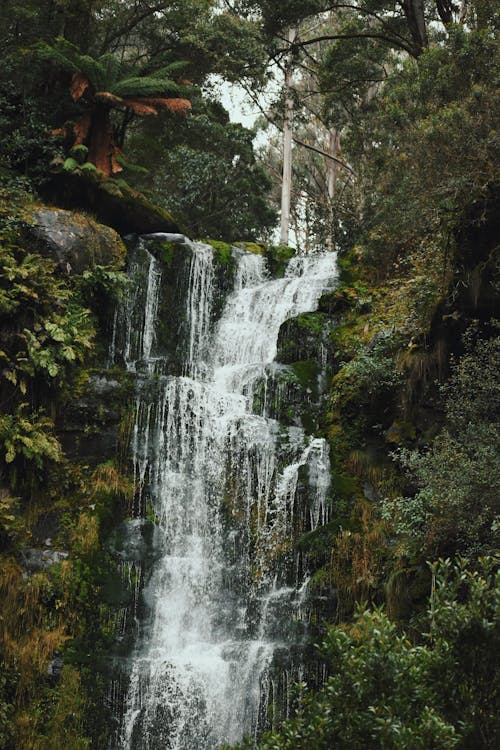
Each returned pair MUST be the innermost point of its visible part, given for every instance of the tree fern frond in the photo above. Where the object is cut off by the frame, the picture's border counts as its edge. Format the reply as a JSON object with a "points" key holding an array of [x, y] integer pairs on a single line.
{"points": [[157, 68], [136, 86], [168, 70], [93, 70], [177, 105], [113, 70], [52, 54]]}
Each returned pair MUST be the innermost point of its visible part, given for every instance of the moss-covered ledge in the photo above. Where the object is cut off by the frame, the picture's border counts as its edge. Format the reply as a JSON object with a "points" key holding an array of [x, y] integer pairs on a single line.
{"points": [[112, 202]]}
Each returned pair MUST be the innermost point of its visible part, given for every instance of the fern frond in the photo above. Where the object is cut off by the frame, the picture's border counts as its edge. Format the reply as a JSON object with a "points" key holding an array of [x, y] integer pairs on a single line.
{"points": [[177, 105], [93, 70], [52, 54], [168, 70], [112, 69], [136, 86]]}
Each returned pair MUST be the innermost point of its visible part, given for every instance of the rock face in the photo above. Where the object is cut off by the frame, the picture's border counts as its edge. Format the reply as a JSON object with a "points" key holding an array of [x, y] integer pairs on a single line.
{"points": [[75, 241], [90, 426]]}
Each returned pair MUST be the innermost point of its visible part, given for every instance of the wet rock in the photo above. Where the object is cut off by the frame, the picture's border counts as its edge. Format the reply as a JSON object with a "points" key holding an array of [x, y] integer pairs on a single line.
{"points": [[55, 668], [47, 526], [306, 337], [135, 540], [40, 560], [90, 427], [75, 241]]}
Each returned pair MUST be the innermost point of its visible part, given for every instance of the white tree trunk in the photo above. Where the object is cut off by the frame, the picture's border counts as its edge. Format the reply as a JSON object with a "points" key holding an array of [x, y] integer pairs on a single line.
{"points": [[286, 187], [332, 172]]}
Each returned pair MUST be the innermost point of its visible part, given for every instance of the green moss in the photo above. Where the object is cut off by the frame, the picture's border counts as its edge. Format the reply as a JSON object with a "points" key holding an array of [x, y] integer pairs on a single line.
{"points": [[345, 487], [222, 252], [278, 257], [165, 251], [252, 247], [313, 322], [307, 373]]}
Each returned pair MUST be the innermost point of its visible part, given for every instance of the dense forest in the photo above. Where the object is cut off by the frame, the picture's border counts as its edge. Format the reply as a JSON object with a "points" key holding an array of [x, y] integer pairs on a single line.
{"points": [[111, 125]]}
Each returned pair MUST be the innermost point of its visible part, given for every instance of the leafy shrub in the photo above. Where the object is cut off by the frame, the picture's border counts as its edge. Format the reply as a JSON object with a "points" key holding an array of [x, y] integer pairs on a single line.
{"points": [[456, 505], [385, 692]]}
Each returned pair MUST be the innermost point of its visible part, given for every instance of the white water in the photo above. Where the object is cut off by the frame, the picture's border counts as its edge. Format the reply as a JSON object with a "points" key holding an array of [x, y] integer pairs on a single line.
{"points": [[223, 483]]}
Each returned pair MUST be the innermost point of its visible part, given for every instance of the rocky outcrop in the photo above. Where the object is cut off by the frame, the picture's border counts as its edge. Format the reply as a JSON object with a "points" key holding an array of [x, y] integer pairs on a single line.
{"points": [[75, 241], [40, 560], [113, 202]]}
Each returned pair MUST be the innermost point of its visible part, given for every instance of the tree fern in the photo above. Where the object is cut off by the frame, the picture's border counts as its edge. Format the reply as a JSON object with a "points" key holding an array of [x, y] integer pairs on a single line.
{"points": [[105, 83]]}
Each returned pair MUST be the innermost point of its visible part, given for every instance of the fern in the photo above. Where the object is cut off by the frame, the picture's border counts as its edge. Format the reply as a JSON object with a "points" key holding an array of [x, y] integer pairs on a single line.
{"points": [[137, 86]]}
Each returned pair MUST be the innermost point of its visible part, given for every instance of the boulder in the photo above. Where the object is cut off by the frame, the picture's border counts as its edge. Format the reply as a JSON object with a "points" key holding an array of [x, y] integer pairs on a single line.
{"points": [[40, 560], [75, 241]]}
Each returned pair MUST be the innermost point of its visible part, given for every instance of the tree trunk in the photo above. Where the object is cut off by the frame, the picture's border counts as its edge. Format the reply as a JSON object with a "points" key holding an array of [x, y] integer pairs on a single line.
{"points": [[100, 141], [332, 176], [415, 18], [286, 186]]}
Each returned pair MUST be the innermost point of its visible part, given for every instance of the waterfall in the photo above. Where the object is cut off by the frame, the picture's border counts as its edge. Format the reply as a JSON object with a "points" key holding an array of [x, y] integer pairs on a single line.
{"points": [[224, 486]]}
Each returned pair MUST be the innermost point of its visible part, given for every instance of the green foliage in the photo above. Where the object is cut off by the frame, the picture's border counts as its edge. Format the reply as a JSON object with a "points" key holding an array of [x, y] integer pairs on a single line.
{"points": [[6, 711], [9, 521], [456, 506], [369, 375], [385, 692], [28, 436], [206, 174], [99, 289], [433, 144], [108, 72]]}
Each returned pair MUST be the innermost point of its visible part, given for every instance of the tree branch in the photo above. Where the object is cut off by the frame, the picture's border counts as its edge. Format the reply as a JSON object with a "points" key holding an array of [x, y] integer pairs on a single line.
{"points": [[361, 35]]}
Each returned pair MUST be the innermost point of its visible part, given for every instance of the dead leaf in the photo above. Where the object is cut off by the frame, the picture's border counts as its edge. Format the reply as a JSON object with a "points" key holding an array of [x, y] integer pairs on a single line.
{"points": [[79, 85]]}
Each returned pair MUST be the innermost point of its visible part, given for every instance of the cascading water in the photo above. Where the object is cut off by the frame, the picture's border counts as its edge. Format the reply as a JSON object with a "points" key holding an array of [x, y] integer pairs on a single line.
{"points": [[223, 484]]}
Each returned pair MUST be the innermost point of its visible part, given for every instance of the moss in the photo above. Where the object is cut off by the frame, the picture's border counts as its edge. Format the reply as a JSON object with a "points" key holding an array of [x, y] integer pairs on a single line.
{"points": [[114, 203], [166, 251], [314, 322], [307, 373], [278, 257], [73, 237], [401, 432], [252, 247], [223, 252]]}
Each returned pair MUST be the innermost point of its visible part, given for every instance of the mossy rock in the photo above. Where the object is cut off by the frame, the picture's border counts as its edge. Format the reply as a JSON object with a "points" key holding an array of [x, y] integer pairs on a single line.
{"points": [[256, 248], [306, 337], [291, 394], [113, 202], [130, 212], [223, 252], [89, 429], [75, 241], [168, 252], [278, 257]]}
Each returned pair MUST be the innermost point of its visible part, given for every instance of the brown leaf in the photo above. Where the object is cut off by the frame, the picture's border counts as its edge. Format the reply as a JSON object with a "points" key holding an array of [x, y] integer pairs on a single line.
{"points": [[141, 107], [107, 96], [79, 85], [180, 106]]}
